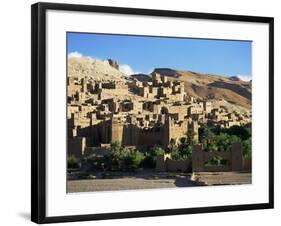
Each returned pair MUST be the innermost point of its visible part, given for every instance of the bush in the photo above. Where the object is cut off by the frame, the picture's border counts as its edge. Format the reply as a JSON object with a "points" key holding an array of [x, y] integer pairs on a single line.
{"points": [[126, 159], [99, 162], [151, 156], [72, 162], [115, 160], [217, 161], [132, 159], [175, 154], [186, 152], [155, 151], [211, 147], [116, 146], [121, 159]]}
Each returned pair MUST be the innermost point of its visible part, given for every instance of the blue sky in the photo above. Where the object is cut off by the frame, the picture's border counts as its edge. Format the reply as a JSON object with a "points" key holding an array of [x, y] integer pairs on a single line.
{"points": [[141, 54]]}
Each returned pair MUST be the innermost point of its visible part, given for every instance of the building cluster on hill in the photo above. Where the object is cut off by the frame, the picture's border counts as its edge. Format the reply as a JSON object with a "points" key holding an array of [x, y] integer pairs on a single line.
{"points": [[137, 114]]}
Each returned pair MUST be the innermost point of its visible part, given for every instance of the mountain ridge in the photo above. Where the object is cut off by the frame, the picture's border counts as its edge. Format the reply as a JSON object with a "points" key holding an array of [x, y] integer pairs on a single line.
{"points": [[209, 86]]}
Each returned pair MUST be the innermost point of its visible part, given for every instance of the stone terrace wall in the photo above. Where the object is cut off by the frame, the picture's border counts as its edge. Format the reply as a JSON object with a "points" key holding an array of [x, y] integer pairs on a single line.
{"points": [[233, 156], [165, 163]]}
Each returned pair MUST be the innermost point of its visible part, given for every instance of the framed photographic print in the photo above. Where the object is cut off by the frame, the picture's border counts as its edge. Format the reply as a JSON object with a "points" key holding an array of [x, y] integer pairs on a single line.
{"points": [[141, 112]]}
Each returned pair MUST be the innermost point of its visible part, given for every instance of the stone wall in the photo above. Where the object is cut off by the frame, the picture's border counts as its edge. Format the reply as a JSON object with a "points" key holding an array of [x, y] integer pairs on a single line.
{"points": [[165, 163], [233, 156], [178, 165], [247, 165], [176, 130]]}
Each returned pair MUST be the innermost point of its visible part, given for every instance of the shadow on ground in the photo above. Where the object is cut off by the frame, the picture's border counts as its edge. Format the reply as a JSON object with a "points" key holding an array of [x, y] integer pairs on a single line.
{"points": [[184, 182]]}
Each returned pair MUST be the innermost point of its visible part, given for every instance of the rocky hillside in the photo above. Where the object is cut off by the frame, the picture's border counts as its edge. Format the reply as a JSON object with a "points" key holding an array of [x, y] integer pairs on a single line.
{"points": [[99, 70], [208, 86]]}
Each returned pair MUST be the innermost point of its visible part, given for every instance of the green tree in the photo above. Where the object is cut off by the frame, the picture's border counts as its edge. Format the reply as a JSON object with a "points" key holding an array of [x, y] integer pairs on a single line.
{"points": [[247, 148], [190, 137], [234, 139], [242, 132], [186, 152], [151, 155], [208, 139], [186, 145], [175, 154]]}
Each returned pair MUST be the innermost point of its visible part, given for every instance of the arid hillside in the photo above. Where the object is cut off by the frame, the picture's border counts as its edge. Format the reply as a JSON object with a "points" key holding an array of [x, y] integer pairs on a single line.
{"points": [[208, 86], [96, 69]]}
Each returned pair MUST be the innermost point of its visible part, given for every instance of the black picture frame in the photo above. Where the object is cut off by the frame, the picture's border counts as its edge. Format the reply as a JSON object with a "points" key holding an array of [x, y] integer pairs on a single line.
{"points": [[38, 110]]}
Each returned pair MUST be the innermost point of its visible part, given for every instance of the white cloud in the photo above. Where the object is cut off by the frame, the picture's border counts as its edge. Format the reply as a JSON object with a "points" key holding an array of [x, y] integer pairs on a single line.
{"points": [[126, 69], [245, 77], [74, 54]]}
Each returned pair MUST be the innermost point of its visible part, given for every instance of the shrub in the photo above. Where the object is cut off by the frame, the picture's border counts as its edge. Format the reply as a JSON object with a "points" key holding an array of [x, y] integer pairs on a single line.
{"points": [[211, 147], [156, 150], [126, 159], [135, 158], [130, 159], [186, 152], [116, 146], [175, 154], [151, 156], [72, 162], [115, 160], [99, 162], [217, 161]]}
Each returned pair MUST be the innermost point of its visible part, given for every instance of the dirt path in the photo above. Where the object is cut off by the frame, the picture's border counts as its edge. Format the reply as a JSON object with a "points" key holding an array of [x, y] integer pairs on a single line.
{"points": [[126, 183], [146, 181]]}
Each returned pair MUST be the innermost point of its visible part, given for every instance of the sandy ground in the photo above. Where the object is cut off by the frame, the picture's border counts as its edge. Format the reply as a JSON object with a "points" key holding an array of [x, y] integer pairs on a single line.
{"points": [[126, 183]]}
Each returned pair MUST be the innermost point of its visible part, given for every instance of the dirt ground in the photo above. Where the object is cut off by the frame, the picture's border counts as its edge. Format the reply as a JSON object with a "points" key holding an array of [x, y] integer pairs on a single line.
{"points": [[127, 183], [149, 182], [223, 178]]}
